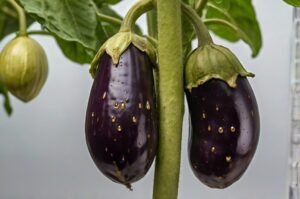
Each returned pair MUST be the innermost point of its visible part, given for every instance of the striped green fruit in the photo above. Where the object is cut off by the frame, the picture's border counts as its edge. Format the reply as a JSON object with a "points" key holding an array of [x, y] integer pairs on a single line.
{"points": [[23, 67]]}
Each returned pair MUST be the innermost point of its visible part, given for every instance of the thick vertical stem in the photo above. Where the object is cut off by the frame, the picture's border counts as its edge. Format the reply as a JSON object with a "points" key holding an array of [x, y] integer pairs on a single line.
{"points": [[170, 99]]}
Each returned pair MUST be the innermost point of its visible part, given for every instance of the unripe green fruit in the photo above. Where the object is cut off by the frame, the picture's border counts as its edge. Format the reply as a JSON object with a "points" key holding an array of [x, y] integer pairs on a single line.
{"points": [[23, 67]]}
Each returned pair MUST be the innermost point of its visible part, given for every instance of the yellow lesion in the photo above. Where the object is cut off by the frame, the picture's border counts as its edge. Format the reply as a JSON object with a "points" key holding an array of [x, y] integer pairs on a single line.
{"points": [[203, 115], [209, 128], [119, 128], [140, 106], [134, 120], [221, 130], [116, 105], [232, 129], [213, 149], [228, 158], [113, 119], [93, 114], [148, 105], [123, 105], [217, 108]]}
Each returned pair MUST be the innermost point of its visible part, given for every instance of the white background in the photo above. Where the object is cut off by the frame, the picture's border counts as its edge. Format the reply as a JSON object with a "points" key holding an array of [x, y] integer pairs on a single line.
{"points": [[43, 154]]}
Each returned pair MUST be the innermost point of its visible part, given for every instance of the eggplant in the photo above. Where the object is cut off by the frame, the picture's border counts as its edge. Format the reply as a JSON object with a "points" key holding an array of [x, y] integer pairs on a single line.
{"points": [[224, 131], [121, 119]]}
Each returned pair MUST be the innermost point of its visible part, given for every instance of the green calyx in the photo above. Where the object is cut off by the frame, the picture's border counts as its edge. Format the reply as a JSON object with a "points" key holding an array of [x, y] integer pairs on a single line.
{"points": [[117, 44], [213, 61]]}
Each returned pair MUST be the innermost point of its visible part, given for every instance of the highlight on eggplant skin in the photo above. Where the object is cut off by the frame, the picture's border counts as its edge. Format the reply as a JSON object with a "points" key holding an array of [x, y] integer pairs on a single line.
{"points": [[224, 131], [121, 120]]}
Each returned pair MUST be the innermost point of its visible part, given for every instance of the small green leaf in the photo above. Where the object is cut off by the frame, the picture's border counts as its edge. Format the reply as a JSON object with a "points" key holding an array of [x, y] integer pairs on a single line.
{"points": [[239, 13], [293, 2], [6, 102]]}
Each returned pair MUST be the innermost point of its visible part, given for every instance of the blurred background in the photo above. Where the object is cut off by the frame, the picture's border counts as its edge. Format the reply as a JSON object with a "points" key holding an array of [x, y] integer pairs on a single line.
{"points": [[43, 154]]}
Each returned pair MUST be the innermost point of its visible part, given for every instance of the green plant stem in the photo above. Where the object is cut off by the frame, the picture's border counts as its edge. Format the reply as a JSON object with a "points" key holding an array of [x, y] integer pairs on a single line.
{"points": [[105, 18], [134, 13], [221, 21], [200, 5], [171, 94], [152, 23], [39, 32], [22, 17], [201, 30]]}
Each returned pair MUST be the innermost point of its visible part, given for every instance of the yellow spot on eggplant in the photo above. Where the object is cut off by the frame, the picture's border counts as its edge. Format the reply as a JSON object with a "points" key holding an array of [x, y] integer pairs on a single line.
{"points": [[134, 119], [203, 115], [123, 105], [115, 139], [98, 119], [106, 149], [116, 105], [148, 105], [123, 158], [209, 128], [148, 136], [232, 129], [104, 95], [220, 130], [213, 149], [228, 158], [93, 114], [113, 118], [140, 106], [111, 155], [119, 128], [217, 108], [195, 166]]}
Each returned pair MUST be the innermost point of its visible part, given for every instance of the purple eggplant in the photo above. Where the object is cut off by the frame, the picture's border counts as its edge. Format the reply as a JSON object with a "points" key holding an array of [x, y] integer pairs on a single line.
{"points": [[121, 120], [224, 131]]}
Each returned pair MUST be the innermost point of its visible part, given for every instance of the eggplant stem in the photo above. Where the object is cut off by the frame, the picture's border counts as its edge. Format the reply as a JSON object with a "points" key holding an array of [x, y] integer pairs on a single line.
{"points": [[22, 17]]}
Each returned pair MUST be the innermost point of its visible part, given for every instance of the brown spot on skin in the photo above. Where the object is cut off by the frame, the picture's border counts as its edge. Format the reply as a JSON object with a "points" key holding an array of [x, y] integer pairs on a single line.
{"points": [[220, 130]]}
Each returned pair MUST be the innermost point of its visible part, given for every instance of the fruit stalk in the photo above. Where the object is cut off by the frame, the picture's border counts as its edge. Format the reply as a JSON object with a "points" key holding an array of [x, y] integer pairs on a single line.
{"points": [[22, 17], [135, 12], [170, 99], [201, 30]]}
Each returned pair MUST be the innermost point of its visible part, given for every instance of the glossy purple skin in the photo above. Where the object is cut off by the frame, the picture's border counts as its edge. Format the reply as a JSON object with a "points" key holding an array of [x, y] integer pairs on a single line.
{"points": [[224, 131], [121, 121]]}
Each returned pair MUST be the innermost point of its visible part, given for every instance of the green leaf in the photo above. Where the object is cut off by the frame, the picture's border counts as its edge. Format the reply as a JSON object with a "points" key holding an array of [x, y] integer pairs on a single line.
{"points": [[293, 2], [99, 3], [69, 20], [239, 13], [6, 102], [9, 22]]}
